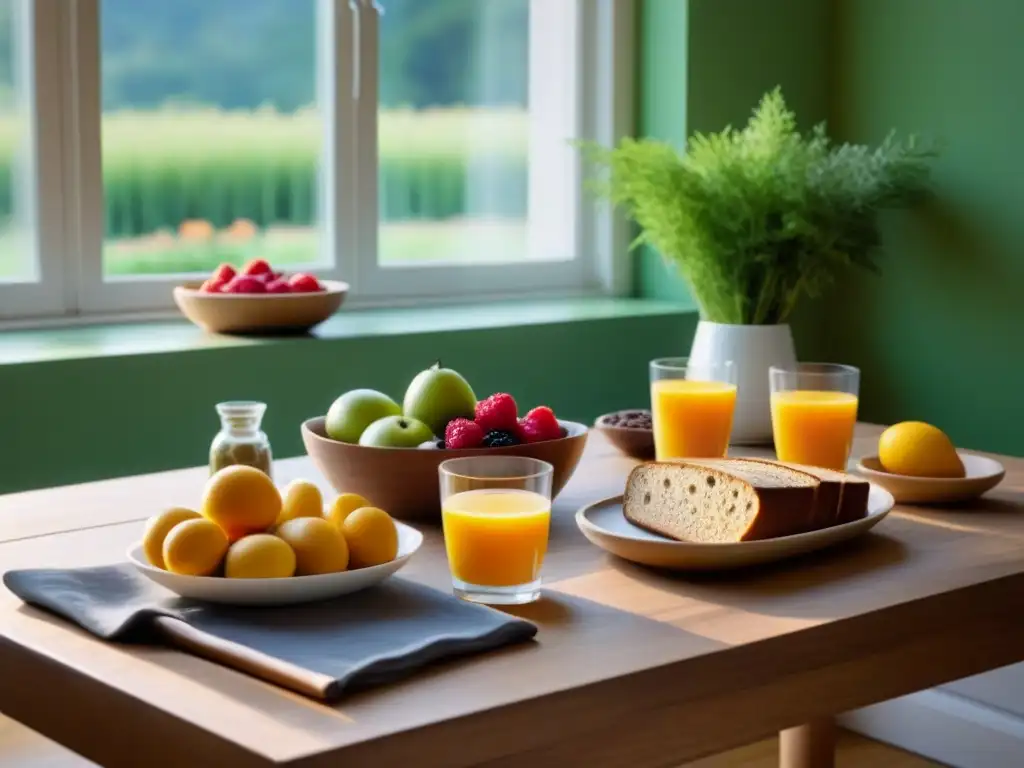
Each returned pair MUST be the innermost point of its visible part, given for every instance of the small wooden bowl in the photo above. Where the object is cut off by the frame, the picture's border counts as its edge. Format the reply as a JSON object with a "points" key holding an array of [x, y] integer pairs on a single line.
{"points": [[404, 481], [983, 474], [259, 313], [632, 441]]}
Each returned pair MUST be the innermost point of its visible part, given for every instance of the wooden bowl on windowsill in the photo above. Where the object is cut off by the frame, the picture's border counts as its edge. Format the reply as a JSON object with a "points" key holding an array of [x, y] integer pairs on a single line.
{"points": [[258, 313]]}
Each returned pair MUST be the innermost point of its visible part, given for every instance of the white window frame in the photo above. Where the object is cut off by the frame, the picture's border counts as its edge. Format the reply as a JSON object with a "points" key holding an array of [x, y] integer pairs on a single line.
{"points": [[38, 71], [65, 192]]}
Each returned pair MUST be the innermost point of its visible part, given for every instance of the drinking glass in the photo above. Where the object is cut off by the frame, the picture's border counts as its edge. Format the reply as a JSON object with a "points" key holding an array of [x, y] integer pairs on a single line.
{"points": [[496, 514], [814, 411], [692, 407]]}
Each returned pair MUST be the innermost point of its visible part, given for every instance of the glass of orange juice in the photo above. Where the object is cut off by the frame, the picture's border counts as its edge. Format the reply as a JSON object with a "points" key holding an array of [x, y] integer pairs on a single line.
{"points": [[691, 408], [814, 411], [496, 513]]}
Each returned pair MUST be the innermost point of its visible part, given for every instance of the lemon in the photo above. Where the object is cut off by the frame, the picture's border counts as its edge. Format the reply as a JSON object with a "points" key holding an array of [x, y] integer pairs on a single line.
{"points": [[195, 548], [343, 506], [157, 528], [241, 500], [259, 556], [371, 536], [918, 449], [319, 546], [301, 499]]}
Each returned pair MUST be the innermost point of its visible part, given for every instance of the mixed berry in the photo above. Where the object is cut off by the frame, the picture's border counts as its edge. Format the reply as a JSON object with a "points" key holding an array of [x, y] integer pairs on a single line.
{"points": [[496, 424], [257, 276]]}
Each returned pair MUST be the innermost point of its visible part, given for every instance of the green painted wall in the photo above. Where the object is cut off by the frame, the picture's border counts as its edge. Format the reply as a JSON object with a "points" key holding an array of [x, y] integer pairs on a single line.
{"points": [[706, 63], [73, 420], [939, 335], [663, 89]]}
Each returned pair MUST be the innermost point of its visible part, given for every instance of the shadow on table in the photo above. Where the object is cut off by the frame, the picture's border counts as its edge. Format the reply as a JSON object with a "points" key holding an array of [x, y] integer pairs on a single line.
{"points": [[551, 610], [803, 586], [992, 505]]}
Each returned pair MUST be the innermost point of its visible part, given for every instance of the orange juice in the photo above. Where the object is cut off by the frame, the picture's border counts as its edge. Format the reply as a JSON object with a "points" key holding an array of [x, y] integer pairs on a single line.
{"points": [[692, 419], [814, 428], [496, 537]]}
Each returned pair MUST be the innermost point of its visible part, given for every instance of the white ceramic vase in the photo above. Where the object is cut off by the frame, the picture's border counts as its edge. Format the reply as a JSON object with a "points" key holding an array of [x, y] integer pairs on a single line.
{"points": [[753, 349]]}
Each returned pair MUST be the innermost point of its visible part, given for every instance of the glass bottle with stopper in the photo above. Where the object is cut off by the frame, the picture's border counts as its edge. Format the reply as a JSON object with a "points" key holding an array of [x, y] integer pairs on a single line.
{"points": [[240, 440]]}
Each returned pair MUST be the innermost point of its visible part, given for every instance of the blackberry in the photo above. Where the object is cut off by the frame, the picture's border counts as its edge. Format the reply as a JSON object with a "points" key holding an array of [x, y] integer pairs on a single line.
{"points": [[499, 439]]}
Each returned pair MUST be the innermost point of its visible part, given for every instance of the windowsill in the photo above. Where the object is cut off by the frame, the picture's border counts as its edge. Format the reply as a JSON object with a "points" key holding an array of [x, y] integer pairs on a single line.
{"points": [[160, 337], [138, 396]]}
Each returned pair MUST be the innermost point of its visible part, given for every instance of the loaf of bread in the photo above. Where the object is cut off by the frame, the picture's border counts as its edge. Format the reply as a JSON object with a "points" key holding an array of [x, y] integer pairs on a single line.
{"points": [[842, 497], [731, 500]]}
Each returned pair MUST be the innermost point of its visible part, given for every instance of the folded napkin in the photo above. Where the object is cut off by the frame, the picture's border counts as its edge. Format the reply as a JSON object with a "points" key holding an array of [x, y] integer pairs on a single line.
{"points": [[322, 649]]}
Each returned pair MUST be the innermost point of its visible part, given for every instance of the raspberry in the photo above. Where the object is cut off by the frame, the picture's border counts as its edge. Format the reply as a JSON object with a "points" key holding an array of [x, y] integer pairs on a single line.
{"points": [[463, 433], [498, 413], [540, 424]]}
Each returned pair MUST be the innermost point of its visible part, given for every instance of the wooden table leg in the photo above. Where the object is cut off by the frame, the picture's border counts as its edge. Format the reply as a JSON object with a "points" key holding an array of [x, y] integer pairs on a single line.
{"points": [[812, 745]]}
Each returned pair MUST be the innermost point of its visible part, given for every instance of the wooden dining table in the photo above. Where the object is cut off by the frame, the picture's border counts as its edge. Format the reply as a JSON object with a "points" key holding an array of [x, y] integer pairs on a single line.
{"points": [[631, 667]]}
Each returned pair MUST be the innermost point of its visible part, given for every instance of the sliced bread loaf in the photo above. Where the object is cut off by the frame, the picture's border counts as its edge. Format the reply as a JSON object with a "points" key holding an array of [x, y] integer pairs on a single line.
{"points": [[842, 497], [853, 494], [720, 500]]}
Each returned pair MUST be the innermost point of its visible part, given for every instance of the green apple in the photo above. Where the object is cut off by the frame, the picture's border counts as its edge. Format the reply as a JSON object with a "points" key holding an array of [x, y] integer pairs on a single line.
{"points": [[395, 432], [354, 411], [438, 395]]}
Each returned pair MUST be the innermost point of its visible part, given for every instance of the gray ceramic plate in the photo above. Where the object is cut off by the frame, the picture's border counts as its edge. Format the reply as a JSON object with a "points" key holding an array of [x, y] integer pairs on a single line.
{"points": [[604, 524]]}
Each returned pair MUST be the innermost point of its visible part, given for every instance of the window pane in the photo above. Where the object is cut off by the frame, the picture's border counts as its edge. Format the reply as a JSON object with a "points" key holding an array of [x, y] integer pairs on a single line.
{"points": [[459, 122], [211, 133], [17, 245]]}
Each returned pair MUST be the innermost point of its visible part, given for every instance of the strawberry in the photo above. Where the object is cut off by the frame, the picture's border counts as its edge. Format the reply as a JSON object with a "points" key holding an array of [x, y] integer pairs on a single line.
{"points": [[278, 286], [223, 273], [540, 424], [245, 284], [213, 285], [302, 282], [256, 267]]}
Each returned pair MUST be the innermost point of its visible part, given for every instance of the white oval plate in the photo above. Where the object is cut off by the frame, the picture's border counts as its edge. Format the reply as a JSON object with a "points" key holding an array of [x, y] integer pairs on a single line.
{"points": [[983, 474], [297, 589], [604, 525]]}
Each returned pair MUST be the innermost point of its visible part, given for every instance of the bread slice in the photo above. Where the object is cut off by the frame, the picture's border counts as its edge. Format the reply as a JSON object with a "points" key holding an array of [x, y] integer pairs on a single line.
{"points": [[842, 497], [784, 474], [720, 500], [853, 494]]}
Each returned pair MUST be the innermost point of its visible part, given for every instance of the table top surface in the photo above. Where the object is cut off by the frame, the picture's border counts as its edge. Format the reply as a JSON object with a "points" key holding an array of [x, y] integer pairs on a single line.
{"points": [[619, 647]]}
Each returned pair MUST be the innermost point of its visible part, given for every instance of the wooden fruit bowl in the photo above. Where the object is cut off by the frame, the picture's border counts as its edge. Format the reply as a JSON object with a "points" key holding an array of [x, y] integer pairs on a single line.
{"points": [[404, 481], [257, 312]]}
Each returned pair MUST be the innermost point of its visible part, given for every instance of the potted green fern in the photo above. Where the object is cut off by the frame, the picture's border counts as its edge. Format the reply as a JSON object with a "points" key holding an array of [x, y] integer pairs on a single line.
{"points": [[754, 220]]}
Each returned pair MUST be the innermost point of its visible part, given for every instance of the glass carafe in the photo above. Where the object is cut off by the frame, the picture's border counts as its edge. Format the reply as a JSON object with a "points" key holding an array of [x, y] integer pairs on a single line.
{"points": [[240, 440]]}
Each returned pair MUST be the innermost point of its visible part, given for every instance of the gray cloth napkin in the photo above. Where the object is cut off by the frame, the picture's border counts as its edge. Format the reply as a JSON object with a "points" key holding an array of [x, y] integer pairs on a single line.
{"points": [[357, 641]]}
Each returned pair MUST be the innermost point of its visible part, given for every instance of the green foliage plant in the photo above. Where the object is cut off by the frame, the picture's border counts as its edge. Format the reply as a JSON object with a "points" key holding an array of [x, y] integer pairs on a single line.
{"points": [[755, 219]]}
